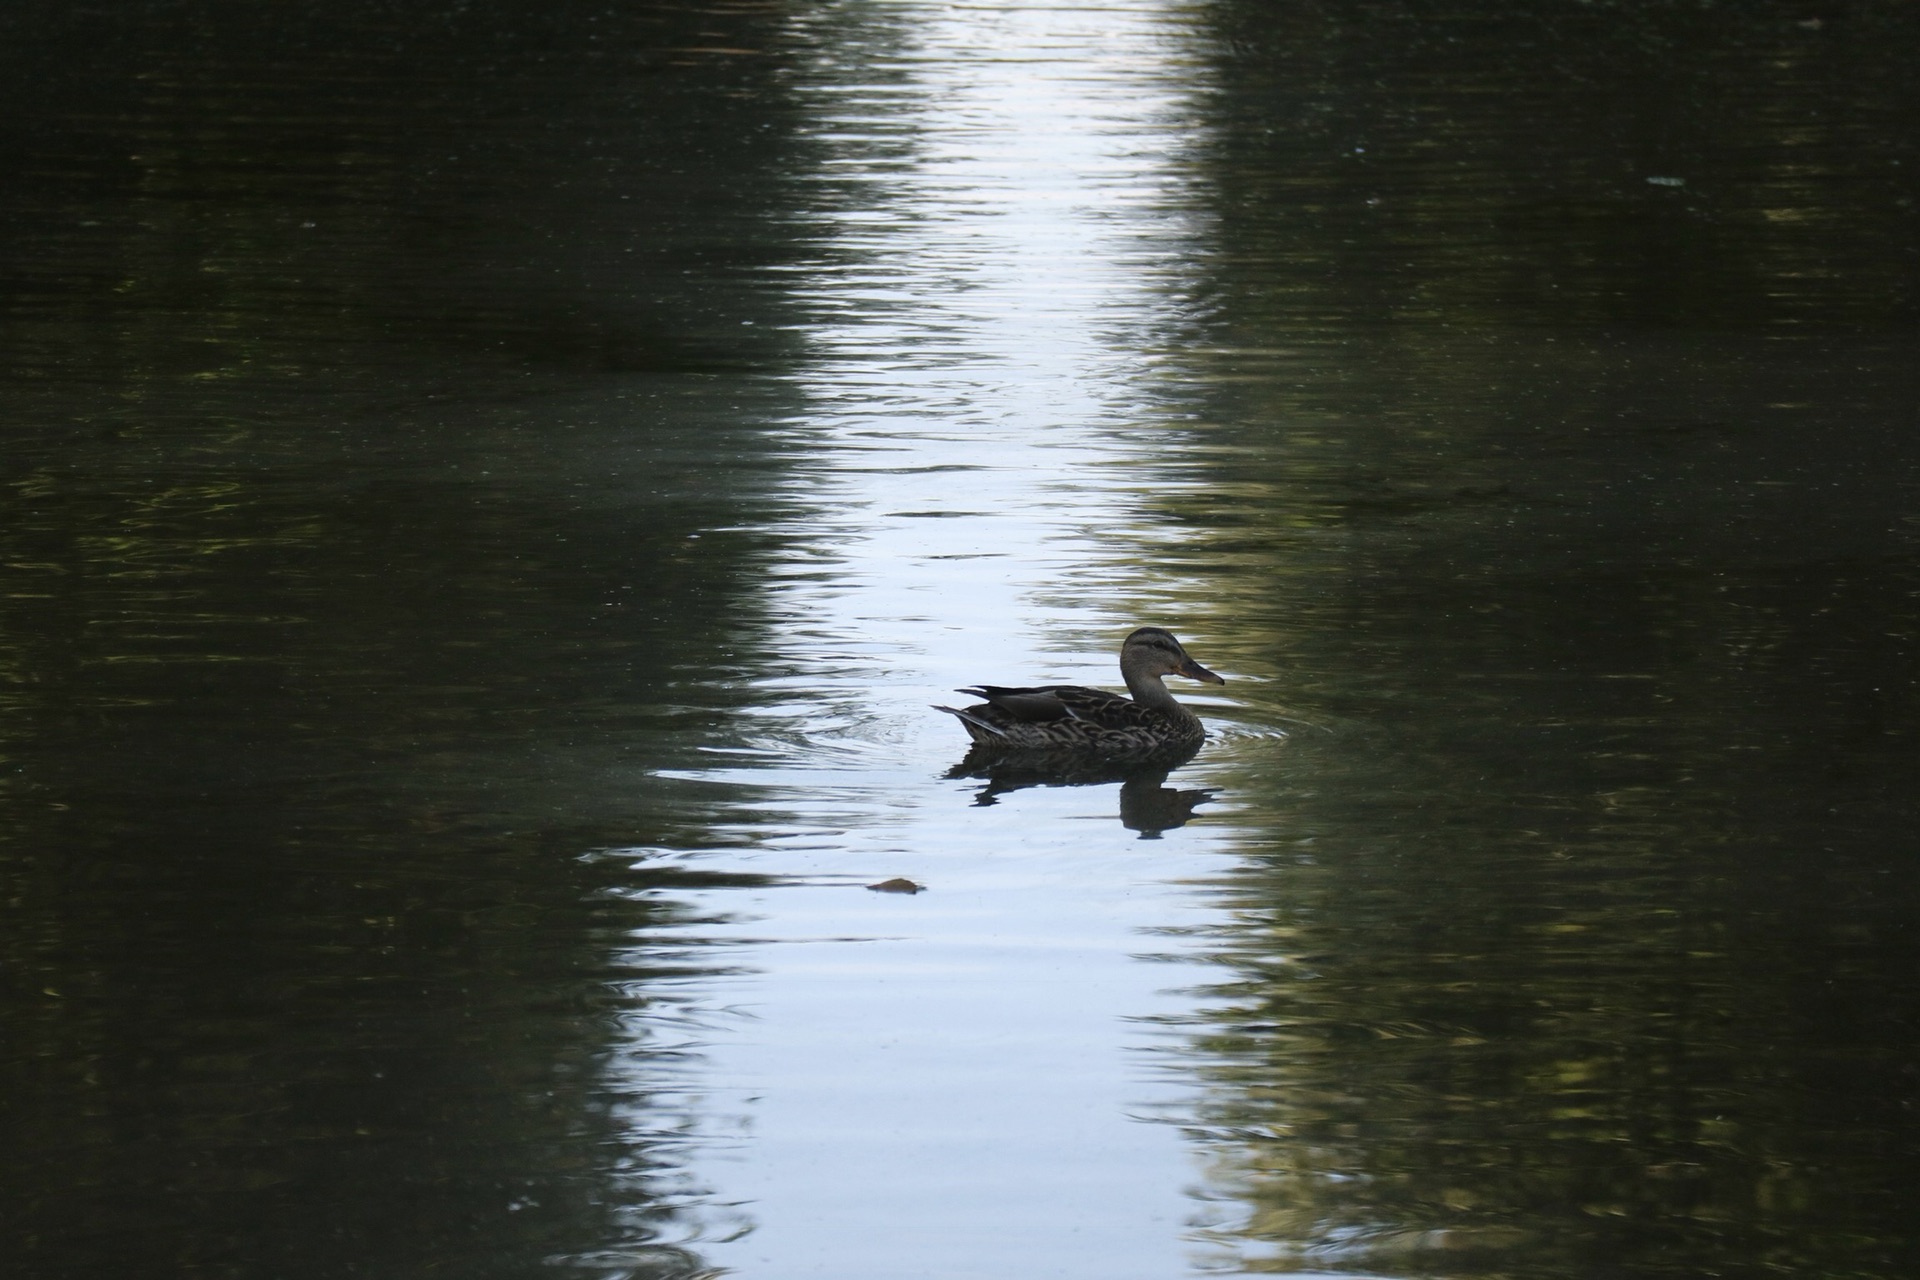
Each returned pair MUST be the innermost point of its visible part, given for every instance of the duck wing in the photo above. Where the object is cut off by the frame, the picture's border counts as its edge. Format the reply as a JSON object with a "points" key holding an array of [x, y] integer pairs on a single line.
{"points": [[1042, 704]]}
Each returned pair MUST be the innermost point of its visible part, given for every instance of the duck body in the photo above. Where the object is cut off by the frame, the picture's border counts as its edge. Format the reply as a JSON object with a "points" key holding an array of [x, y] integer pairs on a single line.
{"points": [[1071, 716], [1076, 720]]}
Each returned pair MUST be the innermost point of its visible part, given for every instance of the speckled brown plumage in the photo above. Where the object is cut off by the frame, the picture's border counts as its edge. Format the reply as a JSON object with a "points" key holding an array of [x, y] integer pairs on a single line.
{"points": [[1071, 717]]}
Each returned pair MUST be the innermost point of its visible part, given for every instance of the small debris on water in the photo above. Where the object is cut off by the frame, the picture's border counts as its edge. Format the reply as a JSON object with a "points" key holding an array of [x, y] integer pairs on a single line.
{"points": [[899, 884]]}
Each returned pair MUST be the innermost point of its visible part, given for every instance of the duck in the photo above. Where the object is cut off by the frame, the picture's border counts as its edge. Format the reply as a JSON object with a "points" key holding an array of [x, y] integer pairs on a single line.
{"points": [[1071, 718]]}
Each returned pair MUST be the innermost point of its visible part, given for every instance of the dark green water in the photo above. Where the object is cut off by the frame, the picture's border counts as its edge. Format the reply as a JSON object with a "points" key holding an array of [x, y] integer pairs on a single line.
{"points": [[491, 490]]}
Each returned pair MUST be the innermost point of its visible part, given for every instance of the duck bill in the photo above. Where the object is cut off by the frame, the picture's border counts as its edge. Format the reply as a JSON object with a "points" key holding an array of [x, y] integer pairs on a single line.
{"points": [[1194, 671]]}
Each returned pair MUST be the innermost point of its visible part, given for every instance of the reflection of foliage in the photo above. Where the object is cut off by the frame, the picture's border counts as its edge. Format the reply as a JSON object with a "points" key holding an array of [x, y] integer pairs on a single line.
{"points": [[1582, 942], [291, 912], [1607, 1032], [1579, 946], [390, 190], [365, 541], [1555, 163]]}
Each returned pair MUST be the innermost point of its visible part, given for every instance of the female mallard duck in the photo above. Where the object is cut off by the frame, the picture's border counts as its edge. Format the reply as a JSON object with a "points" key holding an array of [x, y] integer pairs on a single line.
{"points": [[1071, 717]]}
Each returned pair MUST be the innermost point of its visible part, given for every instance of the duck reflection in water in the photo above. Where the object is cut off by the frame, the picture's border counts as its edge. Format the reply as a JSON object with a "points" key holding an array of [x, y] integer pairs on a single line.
{"points": [[1147, 804], [1072, 735]]}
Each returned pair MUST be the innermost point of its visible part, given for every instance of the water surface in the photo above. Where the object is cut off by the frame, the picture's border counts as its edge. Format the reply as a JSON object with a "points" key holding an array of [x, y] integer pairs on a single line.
{"points": [[491, 494]]}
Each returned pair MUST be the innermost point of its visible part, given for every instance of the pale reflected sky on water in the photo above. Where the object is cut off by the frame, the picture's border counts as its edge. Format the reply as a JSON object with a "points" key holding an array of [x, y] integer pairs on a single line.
{"points": [[952, 1083]]}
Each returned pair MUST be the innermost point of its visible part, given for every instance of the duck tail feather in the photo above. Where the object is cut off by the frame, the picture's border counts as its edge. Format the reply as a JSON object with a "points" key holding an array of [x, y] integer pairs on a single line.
{"points": [[973, 722]]}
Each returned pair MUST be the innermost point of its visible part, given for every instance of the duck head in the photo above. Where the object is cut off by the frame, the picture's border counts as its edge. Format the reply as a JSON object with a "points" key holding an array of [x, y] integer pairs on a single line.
{"points": [[1152, 651]]}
